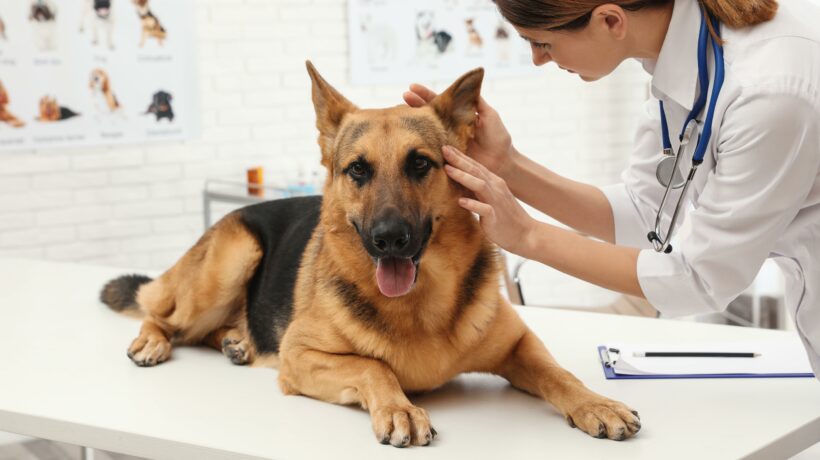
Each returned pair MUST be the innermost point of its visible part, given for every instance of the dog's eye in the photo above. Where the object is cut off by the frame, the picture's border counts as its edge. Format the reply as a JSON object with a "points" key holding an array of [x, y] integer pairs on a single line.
{"points": [[357, 169], [416, 166], [421, 164]]}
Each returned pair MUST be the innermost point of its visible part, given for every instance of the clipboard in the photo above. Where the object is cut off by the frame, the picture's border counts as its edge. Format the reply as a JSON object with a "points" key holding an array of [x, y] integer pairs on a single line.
{"points": [[608, 359]]}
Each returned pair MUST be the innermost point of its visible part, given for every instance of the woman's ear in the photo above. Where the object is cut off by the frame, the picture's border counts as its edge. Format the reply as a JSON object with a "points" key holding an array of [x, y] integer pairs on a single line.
{"points": [[611, 18]]}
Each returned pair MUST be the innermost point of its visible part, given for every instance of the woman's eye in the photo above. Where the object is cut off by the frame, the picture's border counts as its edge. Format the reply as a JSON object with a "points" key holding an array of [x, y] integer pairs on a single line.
{"points": [[541, 45]]}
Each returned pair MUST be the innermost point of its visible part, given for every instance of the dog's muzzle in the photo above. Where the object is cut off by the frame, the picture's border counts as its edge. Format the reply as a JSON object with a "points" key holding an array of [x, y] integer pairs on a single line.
{"points": [[396, 247]]}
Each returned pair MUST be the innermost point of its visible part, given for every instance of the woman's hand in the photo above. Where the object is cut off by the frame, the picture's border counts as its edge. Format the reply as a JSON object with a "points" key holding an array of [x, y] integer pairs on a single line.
{"points": [[492, 144], [503, 219]]}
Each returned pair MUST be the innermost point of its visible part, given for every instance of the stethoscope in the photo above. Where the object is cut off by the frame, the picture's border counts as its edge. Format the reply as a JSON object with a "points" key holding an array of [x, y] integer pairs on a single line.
{"points": [[667, 173]]}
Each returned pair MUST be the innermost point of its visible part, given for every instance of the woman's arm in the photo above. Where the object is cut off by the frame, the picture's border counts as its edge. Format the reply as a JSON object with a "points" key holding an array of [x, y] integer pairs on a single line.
{"points": [[581, 206], [507, 224], [604, 264]]}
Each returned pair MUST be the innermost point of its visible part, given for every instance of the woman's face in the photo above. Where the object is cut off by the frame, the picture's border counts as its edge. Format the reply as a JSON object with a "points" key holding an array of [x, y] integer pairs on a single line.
{"points": [[591, 52]]}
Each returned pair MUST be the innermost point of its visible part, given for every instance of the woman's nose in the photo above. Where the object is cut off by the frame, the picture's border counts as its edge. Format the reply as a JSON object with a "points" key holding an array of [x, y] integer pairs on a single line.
{"points": [[540, 57]]}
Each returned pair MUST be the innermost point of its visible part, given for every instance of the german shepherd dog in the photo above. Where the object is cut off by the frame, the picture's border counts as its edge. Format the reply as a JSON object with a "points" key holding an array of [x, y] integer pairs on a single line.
{"points": [[382, 287]]}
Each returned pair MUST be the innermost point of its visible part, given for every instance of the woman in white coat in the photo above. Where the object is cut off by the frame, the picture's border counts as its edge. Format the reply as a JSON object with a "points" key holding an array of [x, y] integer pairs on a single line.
{"points": [[755, 193]]}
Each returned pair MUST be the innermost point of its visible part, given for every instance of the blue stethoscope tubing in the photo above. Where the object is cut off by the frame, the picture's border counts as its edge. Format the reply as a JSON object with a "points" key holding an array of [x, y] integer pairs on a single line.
{"points": [[659, 242]]}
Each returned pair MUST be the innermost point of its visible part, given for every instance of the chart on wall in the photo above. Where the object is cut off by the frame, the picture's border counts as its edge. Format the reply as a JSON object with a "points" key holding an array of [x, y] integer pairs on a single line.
{"points": [[397, 41], [85, 72]]}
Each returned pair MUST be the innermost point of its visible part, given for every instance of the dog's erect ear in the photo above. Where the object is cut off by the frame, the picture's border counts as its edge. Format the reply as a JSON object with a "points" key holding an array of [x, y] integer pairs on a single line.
{"points": [[331, 107], [456, 106]]}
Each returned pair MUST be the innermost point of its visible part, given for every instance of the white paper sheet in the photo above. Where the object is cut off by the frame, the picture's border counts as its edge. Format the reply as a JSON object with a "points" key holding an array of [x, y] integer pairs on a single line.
{"points": [[776, 357]]}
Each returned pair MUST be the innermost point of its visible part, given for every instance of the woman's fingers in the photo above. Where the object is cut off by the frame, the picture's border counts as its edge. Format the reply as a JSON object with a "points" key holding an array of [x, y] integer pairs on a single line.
{"points": [[463, 162], [418, 95], [471, 182], [482, 209], [413, 99], [424, 92]]}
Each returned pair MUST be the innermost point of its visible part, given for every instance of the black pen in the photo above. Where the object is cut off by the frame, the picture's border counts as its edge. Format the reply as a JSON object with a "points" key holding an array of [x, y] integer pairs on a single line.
{"points": [[692, 354]]}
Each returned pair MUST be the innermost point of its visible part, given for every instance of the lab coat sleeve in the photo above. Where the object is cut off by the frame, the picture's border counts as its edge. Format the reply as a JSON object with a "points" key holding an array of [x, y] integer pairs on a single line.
{"points": [[636, 200], [767, 161]]}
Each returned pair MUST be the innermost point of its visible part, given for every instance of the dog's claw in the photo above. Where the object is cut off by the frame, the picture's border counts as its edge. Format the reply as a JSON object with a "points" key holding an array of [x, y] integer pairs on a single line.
{"points": [[390, 424], [601, 431]]}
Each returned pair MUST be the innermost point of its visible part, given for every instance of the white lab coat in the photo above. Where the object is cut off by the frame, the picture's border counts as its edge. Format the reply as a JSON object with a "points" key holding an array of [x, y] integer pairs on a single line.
{"points": [[757, 193]]}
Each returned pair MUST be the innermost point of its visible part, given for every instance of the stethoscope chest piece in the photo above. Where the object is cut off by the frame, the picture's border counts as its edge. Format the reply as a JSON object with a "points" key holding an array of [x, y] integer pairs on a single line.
{"points": [[667, 169]]}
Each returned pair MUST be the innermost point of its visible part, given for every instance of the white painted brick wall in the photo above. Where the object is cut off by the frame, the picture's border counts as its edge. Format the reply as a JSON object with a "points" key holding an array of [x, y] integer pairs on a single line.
{"points": [[140, 206]]}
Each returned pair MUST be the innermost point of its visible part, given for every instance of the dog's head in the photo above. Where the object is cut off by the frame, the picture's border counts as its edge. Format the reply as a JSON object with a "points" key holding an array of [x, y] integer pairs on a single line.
{"points": [[99, 80], [162, 100], [386, 192], [41, 11], [425, 20], [160, 103], [49, 109]]}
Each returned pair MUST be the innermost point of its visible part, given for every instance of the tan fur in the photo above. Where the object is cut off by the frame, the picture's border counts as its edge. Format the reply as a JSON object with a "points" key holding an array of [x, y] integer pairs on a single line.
{"points": [[151, 26], [424, 338], [204, 291], [5, 115], [347, 343], [472, 33], [49, 110], [105, 87]]}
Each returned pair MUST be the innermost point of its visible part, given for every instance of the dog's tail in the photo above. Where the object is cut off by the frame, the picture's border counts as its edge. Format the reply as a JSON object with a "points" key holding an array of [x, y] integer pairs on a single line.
{"points": [[120, 294]]}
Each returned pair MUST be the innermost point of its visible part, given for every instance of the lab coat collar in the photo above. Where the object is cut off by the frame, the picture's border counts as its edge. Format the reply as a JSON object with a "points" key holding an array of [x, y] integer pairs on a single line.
{"points": [[675, 72]]}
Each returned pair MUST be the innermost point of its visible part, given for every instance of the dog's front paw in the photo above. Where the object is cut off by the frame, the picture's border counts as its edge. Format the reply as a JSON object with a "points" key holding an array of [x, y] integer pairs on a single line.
{"points": [[604, 418], [149, 351], [402, 425]]}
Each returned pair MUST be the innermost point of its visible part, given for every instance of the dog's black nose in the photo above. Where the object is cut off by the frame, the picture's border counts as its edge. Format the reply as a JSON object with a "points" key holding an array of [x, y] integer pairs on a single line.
{"points": [[391, 236]]}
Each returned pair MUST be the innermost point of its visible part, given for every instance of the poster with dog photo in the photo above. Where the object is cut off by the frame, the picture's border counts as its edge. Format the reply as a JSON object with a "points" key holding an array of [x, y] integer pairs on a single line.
{"points": [[86, 72], [395, 41]]}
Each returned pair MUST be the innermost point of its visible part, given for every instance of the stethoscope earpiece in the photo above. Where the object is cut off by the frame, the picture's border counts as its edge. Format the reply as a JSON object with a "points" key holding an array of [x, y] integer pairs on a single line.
{"points": [[658, 244]]}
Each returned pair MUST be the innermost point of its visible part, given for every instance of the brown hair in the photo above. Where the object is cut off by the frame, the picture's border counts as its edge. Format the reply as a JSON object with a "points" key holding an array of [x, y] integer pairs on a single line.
{"points": [[575, 14]]}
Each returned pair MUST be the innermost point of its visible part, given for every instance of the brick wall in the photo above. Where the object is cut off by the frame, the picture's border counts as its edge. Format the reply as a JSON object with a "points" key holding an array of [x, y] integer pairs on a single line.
{"points": [[140, 206]]}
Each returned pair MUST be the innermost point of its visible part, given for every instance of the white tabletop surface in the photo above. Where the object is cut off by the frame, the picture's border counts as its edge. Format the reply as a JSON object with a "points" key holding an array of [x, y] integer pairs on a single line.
{"points": [[64, 376]]}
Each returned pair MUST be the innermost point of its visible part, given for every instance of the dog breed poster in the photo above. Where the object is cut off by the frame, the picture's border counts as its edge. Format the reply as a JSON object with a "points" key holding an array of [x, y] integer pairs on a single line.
{"points": [[85, 72], [398, 42]]}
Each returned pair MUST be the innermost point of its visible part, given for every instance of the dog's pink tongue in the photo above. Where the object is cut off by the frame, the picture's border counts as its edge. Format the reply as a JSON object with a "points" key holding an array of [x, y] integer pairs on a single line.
{"points": [[395, 276]]}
